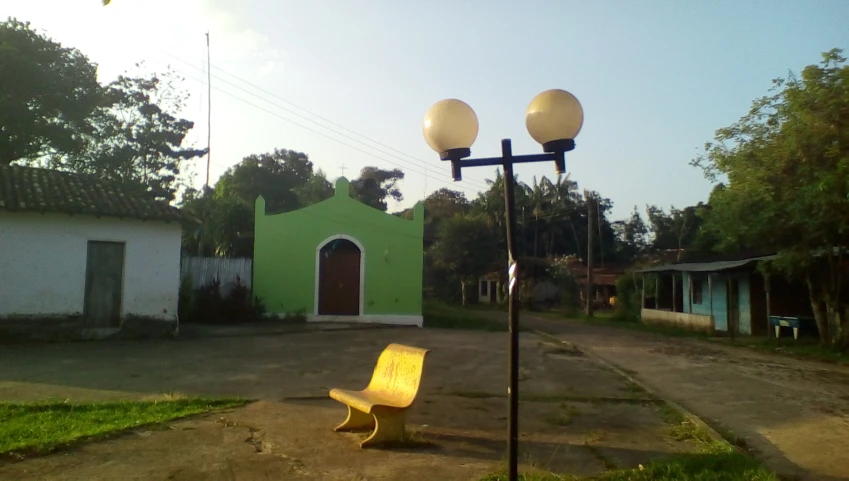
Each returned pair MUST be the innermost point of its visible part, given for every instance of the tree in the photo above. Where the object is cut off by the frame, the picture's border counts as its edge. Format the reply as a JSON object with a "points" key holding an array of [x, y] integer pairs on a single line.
{"points": [[374, 186], [439, 206], [632, 234], [277, 176], [677, 230], [465, 249], [286, 180], [787, 165], [136, 137], [316, 189], [47, 94]]}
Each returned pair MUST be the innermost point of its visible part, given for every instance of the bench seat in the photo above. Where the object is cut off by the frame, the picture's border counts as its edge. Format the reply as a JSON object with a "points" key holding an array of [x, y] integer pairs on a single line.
{"points": [[382, 406]]}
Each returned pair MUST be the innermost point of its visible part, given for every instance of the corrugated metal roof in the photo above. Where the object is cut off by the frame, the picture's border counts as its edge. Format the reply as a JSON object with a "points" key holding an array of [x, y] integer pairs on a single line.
{"points": [[705, 266]]}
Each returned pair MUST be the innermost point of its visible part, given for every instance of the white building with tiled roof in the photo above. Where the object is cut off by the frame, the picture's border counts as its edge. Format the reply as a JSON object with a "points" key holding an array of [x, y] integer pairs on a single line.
{"points": [[84, 257]]}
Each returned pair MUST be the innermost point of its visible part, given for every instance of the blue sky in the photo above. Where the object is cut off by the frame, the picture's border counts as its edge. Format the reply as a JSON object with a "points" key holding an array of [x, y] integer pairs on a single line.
{"points": [[656, 78]]}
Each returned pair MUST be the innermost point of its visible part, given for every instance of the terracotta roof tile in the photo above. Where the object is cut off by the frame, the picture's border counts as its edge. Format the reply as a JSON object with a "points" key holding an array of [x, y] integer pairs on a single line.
{"points": [[29, 189]]}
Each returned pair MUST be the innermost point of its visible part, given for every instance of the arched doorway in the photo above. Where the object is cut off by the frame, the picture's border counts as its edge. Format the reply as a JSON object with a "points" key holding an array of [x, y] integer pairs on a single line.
{"points": [[339, 277]]}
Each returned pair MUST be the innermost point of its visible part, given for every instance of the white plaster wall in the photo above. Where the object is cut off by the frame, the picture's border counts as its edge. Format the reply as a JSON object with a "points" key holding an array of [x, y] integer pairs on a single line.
{"points": [[43, 263]]}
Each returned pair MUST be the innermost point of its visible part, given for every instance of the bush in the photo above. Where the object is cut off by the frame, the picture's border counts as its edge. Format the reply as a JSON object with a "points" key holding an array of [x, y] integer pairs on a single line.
{"points": [[297, 317], [207, 305], [629, 295], [185, 299], [628, 298]]}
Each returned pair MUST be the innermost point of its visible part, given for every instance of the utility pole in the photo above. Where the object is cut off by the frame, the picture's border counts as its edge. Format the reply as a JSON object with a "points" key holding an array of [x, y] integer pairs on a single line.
{"points": [[208, 110], [600, 239], [590, 249]]}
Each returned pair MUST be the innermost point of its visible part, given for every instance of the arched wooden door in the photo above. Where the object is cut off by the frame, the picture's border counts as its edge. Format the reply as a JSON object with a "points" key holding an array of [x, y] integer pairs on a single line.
{"points": [[339, 279]]}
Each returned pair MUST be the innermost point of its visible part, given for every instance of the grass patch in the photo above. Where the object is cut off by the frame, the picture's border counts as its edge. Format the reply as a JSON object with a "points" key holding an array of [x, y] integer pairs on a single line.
{"points": [[439, 315], [564, 415], [799, 349], [718, 460], [607, 319], [806, 349], [37, 428], [711, 465]]}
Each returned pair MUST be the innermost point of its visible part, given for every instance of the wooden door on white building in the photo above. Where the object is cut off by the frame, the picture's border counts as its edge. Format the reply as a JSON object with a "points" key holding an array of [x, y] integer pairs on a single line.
{"points": [[104, 284]]}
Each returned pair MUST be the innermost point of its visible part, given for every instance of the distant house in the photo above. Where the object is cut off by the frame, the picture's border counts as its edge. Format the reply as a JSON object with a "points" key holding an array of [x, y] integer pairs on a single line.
{"points": [[85, 257], [489, 288], [727, 297], [340, 260], [604, 283]]}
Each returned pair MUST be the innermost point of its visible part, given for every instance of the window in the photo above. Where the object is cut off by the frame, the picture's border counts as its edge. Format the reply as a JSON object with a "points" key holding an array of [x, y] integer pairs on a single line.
{"points": [[484, 285], [697, 291]]}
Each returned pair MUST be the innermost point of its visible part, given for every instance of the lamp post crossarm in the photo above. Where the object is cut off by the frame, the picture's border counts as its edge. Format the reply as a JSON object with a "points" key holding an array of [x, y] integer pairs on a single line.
{"points": [[516, 159]]}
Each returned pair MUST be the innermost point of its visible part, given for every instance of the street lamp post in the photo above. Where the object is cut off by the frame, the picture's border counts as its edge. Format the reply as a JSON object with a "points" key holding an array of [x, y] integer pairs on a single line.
{"points": [[553, 119]]}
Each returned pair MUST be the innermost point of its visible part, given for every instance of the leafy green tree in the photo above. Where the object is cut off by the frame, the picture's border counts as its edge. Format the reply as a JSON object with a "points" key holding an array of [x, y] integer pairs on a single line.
{"points": [[47, 95], [677, 230], [277, 176], [439, 206], [465, 249], [632, 234], [787, 169], [285, 178], [316, 189], [375, 186], [137, 137]]}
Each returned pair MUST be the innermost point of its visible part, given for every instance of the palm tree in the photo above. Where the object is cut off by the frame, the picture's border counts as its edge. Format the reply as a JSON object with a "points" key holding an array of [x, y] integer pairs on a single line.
{"points": [[538, 202], [564, 205]]}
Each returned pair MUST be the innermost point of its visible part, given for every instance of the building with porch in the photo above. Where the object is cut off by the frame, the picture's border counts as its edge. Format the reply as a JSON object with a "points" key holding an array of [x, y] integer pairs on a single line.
{"points": [[728, 297]]}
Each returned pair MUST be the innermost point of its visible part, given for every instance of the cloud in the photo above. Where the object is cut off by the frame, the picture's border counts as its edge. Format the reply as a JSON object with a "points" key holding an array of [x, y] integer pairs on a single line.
{"points": [[236, 39]]}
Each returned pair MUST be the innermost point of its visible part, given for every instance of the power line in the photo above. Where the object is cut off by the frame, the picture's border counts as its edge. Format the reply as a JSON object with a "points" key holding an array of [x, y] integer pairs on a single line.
{"points": [[471, 181], [310, 129]]}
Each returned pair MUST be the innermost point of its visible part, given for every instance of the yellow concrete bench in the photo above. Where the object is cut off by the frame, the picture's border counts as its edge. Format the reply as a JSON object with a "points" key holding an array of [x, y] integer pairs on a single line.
{"points": [[382, 406]]}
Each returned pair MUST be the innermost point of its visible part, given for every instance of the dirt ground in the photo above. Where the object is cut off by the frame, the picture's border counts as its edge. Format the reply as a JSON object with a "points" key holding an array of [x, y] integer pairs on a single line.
{"points": [[794, 413], [576, 416]]}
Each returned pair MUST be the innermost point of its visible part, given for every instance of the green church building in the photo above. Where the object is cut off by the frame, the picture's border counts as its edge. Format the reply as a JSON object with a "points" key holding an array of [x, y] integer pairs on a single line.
{"points": [[340, 260]]}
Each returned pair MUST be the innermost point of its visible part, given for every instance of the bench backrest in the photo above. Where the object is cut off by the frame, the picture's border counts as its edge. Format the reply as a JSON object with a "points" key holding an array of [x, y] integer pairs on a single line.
{"points": [[398, 373]]}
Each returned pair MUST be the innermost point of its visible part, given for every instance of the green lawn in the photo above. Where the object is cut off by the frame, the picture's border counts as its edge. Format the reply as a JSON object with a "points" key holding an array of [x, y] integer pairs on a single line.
{"points": [[34, 428], [440, 315]]}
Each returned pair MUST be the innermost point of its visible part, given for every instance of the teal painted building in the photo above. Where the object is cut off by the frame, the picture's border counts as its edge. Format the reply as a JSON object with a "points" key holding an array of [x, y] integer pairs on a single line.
{"points": [[715, 293], [725, 297], [340, 260]]}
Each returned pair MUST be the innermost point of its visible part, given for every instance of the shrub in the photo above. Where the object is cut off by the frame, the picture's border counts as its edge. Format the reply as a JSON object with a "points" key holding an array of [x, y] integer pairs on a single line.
{"points": [[629, 296], [185, 299], [207, 305], [296, 317]]}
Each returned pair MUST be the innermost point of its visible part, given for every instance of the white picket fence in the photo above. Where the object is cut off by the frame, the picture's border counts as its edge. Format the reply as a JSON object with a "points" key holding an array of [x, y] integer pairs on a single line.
{"points": [[204, 270]]}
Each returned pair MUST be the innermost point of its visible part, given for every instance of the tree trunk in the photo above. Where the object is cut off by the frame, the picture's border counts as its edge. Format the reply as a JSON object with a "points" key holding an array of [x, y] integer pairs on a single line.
{"points": [[463, 292], [577, 241], [841, 337], [536, 234], [819, 309], [835, 325]]}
